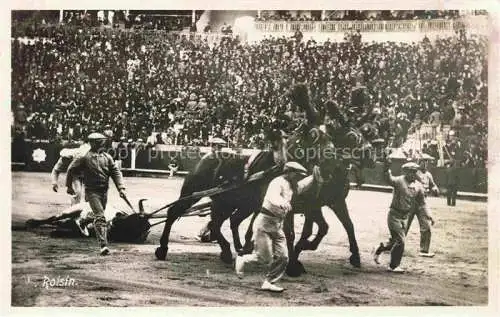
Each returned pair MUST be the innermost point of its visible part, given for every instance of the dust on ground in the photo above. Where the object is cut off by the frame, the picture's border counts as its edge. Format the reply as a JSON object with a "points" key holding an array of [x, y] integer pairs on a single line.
{"points": [[194, 275]]}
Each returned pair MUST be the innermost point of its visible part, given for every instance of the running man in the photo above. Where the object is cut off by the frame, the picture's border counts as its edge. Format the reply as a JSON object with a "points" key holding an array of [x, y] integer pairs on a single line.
{"points": [[408, 197], [97, 167], [270, 242]]}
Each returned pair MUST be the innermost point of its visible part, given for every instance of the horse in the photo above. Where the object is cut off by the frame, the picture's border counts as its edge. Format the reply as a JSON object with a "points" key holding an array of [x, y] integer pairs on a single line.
{"points": [[213, 171], [239, 204], [332, 192]]}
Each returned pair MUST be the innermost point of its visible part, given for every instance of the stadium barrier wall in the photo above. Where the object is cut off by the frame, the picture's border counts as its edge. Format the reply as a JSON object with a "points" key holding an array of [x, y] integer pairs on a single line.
{"points": [[378, 31], [41, 156], [476, 24]]}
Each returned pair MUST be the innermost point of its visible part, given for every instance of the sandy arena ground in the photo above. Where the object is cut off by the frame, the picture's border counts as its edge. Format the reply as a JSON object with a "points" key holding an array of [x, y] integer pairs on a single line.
{"points": [[194, 275]]}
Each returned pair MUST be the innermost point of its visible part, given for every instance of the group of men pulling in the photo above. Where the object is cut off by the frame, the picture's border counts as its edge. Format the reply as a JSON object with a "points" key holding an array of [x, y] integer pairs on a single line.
{"points": [[90, 167], [408, 201], [409, 194]]}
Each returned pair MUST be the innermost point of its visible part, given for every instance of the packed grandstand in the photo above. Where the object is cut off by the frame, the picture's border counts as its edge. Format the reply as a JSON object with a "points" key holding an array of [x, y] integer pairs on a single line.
{"points": [[76, 77]]}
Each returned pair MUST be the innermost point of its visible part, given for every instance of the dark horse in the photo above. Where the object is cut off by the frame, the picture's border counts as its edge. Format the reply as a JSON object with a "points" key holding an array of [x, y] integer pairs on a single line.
{"points": [[213, 171], [241, 203], [350, 148]]}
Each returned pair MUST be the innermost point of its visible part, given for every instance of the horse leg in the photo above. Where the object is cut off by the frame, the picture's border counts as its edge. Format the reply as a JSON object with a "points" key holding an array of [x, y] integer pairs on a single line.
{"points": [[248, 247], [236, 219], [315, 216], [294, 267], [173, 214], [303, 243], [219, 215], [340, 209]]}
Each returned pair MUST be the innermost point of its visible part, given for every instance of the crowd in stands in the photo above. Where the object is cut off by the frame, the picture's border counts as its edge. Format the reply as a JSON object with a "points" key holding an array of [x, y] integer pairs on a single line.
{"points": [[79, 80], [43, 23], [356, 15]]}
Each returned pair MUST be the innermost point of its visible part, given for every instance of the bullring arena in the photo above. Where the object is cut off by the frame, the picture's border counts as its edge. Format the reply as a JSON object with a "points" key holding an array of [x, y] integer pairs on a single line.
{"points": [[193, 274], [400, 90]]}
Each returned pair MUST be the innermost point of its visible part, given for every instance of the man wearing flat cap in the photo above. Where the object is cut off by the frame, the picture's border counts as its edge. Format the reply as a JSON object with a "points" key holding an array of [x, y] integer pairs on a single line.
{"points": [[408, 197], [97, 167], [270, 242], [425, 177]]}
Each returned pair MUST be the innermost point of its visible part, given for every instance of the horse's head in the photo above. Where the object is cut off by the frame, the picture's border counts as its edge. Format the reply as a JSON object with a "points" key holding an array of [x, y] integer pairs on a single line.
{"points": [[231, 168], [360, 144], [309, 146], [299, 96], [361, 148]]}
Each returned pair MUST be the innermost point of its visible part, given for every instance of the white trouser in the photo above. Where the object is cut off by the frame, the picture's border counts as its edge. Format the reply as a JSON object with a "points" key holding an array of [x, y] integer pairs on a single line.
{"points": [[79, 190], [270, 246]]}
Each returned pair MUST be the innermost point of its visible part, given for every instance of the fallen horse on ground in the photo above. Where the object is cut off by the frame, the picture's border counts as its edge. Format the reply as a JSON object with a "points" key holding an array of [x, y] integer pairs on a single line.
{"points": [[77, 222]]}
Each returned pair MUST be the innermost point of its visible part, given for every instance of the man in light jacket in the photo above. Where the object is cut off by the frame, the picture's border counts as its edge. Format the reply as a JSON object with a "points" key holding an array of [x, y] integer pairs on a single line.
{"points": [[68, 155], [270, 242]]}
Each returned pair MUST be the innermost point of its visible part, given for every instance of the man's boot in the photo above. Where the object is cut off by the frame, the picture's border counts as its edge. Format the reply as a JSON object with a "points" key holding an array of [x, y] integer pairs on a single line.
{"points": [[102, 237]]}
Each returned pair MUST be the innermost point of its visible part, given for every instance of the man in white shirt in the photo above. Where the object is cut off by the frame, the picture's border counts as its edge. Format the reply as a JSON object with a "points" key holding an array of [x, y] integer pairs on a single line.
{"points": [[67, 155], [435, 120], [270, 242]]}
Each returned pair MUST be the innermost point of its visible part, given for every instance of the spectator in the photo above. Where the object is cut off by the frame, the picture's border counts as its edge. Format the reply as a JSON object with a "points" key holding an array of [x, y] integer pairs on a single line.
{"points": [[435, 120], [356, 37], [132, 80], [338, 15], [159, 139], [452, 182]]}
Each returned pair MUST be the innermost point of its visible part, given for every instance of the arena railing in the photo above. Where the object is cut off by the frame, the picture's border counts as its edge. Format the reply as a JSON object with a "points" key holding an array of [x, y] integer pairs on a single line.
{"points": [[149, 35], [474, 24], [477, 23], [41, 155]]}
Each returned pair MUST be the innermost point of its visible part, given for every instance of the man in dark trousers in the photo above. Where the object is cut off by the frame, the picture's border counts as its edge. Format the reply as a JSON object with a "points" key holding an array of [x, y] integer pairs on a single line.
{"points": [[97, 167], [452, 181], [425, 177], [408, 196]]}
